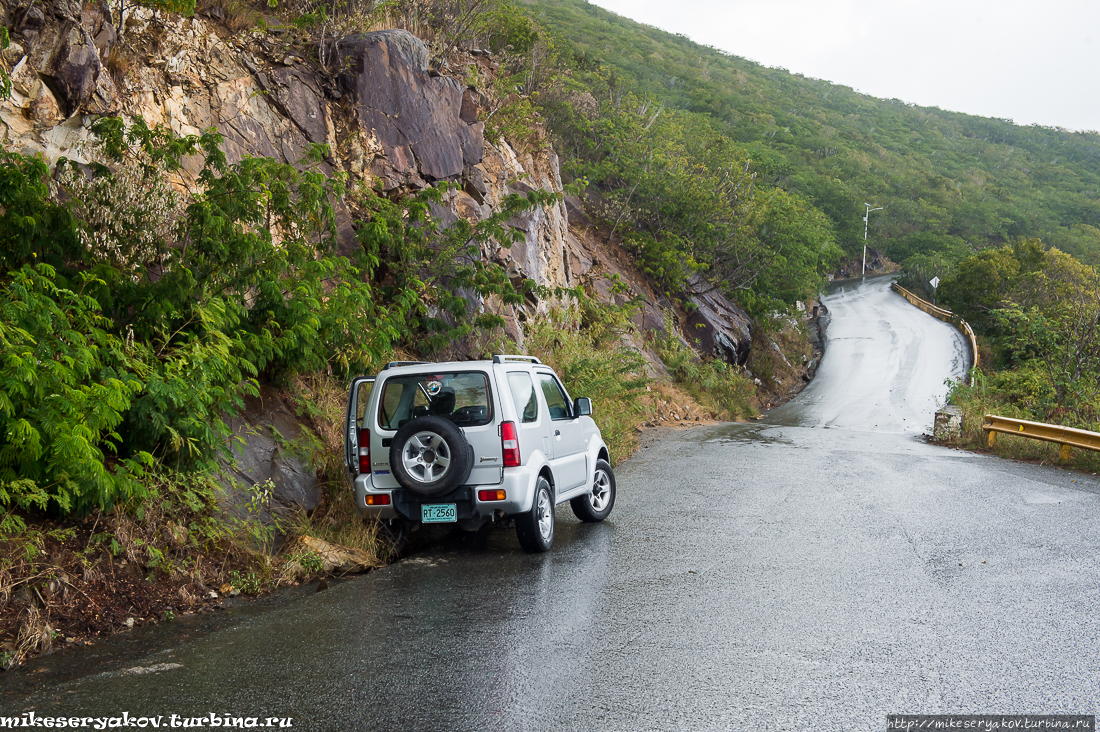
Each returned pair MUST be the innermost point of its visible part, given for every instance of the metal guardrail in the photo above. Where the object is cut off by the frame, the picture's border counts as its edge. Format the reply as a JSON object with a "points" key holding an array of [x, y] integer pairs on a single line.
{"points": [[946, 316], [1067, 437]]}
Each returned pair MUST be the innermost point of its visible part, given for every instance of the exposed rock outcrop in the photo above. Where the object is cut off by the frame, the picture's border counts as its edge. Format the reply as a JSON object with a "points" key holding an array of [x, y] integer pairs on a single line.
{"points": [[415, 119], [267, 452], [719, 326], [386, 119]]}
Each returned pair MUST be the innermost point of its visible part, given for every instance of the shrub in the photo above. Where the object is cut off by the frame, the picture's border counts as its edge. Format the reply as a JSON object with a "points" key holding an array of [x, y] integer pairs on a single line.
{"points": [[611, 374], [712, 383], [68, 385]]}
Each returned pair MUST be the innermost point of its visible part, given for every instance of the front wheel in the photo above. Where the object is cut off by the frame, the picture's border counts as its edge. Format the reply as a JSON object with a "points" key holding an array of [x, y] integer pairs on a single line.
{"points": [[596, 504], [535, 529]]}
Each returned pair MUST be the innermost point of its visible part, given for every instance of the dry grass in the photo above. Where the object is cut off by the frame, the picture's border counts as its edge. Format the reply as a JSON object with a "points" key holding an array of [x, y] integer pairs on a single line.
{"points": [[236, 15], [120, 64], [322, 400]]}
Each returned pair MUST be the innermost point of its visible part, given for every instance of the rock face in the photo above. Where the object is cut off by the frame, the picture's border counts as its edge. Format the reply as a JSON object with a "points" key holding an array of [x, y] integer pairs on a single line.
{"points": [[386, 120], [721, 328], [265, 456], [415, 118]]}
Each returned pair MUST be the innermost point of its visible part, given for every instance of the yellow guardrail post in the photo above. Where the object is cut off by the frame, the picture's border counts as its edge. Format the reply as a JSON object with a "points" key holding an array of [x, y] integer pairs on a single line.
{"points": [[1067, 437]]}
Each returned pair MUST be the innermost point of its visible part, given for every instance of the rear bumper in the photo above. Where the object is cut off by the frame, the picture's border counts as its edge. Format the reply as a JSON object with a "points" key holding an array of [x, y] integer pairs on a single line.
{"points": [[363, 487], [518, 485]]}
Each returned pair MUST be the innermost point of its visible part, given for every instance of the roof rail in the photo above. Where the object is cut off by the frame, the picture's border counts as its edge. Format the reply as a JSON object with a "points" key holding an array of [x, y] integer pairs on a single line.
{"points": [[504, 358], [395, 364]]}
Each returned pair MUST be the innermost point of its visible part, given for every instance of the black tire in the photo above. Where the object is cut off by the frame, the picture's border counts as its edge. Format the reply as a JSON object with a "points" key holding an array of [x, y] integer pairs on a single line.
{"points": [[418, 452], [596, 504], [535, 529]]}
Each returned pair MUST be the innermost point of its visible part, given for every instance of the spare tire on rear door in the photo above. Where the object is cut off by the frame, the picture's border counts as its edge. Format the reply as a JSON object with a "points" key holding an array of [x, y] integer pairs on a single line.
{"points": [[430, 456]]}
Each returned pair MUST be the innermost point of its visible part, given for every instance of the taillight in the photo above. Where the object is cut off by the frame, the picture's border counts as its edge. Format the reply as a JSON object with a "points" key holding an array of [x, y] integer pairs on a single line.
{"points": [[364, 451], [509, 442], [380, 500], [491, 495]]}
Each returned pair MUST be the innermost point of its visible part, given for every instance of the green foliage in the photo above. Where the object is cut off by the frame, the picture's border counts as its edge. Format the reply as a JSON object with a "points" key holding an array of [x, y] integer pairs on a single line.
{"points": [[983, 181], [436, 271], [136, 318], [1041, 312], [248, 583], [712, 383], [311, 562], [184, 7], [33, 228], [504, 28], [798, 249], [674, 183], [1019, 394], [68, 384], [5, 78], [665, 260], [581, 345], [686, 200], [979, 283], [1053, 322]]}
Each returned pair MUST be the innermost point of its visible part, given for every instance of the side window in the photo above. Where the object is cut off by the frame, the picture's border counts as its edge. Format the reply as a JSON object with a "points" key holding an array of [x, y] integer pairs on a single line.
{"points": [[523, 395], [555, 397]]}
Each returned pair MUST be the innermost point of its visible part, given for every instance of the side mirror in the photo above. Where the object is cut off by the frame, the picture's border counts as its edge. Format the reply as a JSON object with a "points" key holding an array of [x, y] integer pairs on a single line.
{"points": [[583, 407]]}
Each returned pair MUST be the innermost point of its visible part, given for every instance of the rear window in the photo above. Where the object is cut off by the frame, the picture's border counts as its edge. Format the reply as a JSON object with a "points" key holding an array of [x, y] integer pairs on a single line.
{"points": [[462, 398]]}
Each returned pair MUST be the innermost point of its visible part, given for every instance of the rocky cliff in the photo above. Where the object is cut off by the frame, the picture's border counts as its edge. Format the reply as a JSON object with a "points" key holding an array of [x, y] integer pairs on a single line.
{"points": [[383, 114], [386, 118]]}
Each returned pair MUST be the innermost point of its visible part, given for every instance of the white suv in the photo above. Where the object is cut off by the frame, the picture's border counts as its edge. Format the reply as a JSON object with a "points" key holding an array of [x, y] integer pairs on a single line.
{"points": [[473, 442]]}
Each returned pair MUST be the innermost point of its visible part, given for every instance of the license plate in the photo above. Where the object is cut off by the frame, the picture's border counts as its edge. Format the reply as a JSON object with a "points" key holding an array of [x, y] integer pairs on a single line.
{"points": [[439, 513]]}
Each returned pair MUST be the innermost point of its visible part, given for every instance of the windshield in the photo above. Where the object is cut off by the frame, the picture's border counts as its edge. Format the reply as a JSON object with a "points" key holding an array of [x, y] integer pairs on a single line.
{"points": [[462, 398]]}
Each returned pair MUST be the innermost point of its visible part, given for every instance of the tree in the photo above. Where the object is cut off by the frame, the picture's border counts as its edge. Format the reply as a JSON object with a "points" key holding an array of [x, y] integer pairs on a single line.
{"points": [[1054, 318], [981, 282]]}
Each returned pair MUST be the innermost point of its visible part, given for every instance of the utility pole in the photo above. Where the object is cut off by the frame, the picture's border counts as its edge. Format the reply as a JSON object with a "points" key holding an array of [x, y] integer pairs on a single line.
{"points": [[865, 217]]}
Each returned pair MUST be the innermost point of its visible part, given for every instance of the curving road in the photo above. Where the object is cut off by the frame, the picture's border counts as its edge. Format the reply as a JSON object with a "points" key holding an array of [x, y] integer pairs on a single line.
{"points": [[818, 570], [885, 366]]}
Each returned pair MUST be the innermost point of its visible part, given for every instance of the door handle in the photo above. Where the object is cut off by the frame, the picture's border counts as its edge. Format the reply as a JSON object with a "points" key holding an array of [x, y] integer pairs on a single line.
{"points": [[557, 433]]}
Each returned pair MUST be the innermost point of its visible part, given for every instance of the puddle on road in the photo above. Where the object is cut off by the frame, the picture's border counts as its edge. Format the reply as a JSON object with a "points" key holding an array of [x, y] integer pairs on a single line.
{"points": [[767, 434]]}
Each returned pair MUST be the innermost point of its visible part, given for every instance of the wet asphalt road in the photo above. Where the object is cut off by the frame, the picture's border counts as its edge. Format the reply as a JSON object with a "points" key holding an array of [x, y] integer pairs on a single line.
{"points": [[808, 572]]}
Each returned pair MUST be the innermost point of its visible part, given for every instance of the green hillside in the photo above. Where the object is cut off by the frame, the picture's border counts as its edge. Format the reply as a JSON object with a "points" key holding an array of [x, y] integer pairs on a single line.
{"points": [[945, 179]]}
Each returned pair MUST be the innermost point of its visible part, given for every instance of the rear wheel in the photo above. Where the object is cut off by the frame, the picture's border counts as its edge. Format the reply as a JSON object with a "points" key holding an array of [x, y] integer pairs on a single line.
{"points": [[596, 504], [535, 529]]}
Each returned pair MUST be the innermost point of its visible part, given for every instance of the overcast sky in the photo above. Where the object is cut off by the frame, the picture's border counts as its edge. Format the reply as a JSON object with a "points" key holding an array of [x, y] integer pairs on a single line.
{"points": [[1035, 62]]}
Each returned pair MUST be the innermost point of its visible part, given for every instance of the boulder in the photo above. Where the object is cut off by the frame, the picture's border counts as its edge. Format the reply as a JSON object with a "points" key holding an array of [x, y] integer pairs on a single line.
{"points": [[416, 118], [473, 183], [719, 327], [401, 41], [12, 54], [75, 70], [267, 433], [948, 424], [336, 558]]}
